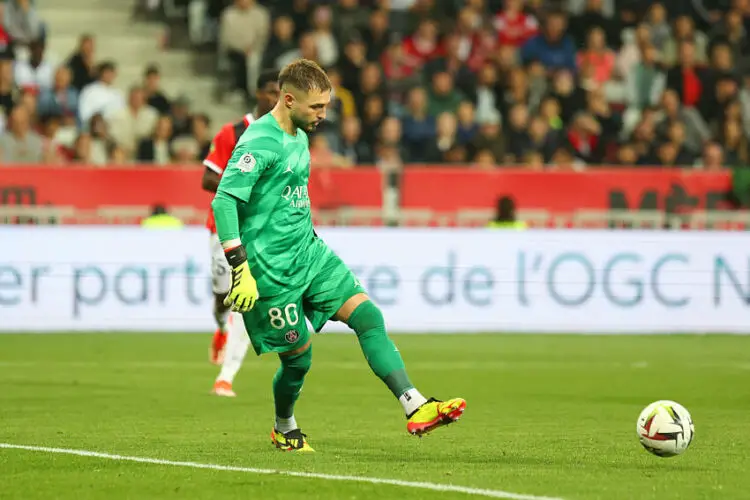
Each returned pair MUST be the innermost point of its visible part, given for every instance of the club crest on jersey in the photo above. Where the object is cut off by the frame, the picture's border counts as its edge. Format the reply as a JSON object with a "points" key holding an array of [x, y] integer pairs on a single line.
{"points": [[246, 163], [291, 336]]}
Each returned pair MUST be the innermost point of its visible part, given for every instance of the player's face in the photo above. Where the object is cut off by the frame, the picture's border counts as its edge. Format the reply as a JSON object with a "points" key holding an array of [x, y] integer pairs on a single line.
{"points": [[310, 109]]}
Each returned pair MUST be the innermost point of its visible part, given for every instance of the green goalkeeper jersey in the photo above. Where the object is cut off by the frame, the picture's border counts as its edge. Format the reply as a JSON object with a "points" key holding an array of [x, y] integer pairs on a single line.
{"points": [[268, 172]]}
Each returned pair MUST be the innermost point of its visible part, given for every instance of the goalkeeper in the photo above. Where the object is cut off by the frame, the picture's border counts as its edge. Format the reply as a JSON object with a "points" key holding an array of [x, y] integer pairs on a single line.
{"points": [[282, 272]]}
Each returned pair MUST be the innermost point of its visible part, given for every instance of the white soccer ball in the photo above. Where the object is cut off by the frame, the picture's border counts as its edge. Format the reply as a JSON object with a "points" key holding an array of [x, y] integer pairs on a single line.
{"points": [[665, 428]]}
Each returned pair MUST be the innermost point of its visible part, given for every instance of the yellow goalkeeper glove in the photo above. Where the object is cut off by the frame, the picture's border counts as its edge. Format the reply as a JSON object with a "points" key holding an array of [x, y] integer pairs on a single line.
{"points": [[244, 291]]}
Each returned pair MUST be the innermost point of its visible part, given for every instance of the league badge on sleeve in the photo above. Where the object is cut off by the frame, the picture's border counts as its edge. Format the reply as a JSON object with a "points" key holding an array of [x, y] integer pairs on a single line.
{"points": [[246, 163]]}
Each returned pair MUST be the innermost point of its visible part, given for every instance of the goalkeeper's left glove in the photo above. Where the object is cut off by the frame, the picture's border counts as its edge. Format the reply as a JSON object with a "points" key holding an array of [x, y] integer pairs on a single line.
{"points": [[244, 291]]}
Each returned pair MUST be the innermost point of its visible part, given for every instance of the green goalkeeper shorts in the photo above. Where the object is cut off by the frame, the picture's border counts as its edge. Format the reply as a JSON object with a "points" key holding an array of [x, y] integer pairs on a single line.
{"points": [[277, 322]]}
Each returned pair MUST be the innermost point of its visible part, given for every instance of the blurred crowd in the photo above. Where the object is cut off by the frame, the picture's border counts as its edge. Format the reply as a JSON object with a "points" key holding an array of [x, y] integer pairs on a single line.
{"points": [[70, 110], [487, 83], [510, 82]]}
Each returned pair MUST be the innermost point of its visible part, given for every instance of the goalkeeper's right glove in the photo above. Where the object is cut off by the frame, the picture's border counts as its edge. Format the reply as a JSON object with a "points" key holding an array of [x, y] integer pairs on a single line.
{"points": [[244, 291]]}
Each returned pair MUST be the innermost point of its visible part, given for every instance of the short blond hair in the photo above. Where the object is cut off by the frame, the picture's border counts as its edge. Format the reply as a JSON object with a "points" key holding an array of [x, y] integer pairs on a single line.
{"points": [[305, 75]]}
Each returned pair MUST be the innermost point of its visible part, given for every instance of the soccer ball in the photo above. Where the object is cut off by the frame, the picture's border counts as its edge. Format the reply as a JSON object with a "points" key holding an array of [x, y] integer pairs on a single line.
{"points": [[665, 428]]}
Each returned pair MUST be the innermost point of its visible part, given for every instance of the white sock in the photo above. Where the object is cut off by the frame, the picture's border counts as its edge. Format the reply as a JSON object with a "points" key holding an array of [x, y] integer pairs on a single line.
{"points": [[236, 348], [284, 425], [222, 318], [411, 400]]}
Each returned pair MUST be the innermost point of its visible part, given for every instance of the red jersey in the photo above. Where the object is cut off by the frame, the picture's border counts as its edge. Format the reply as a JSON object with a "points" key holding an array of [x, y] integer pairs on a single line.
{"points": [[221, 152], [515, 29]]}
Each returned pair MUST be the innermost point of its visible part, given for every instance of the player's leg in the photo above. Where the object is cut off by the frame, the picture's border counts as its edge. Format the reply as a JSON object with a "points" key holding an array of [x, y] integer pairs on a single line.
{"points": [[423, 415], [276, 325], [236, 348], [220, 281], [287, 385], [335, 293]]}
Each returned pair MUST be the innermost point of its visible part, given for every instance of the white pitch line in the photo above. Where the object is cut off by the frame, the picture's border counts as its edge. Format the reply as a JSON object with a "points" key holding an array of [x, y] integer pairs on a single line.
{"points": [[310, 475]]}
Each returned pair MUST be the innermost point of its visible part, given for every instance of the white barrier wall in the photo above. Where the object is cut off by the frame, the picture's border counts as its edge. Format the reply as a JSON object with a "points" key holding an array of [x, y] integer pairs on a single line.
{"points": [[425, 280]]}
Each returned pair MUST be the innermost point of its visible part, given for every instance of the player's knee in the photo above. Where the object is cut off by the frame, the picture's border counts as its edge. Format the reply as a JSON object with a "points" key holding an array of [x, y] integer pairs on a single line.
{"points": [[299, 363], [367, 317]]}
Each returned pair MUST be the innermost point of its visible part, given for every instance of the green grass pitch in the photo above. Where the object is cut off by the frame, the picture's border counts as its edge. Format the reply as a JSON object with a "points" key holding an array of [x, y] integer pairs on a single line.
{"points": [[547, 416]]}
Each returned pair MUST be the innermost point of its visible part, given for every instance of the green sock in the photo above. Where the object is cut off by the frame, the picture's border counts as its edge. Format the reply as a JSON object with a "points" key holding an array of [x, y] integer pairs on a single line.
{"points": [[379, 350], [287, 383]]}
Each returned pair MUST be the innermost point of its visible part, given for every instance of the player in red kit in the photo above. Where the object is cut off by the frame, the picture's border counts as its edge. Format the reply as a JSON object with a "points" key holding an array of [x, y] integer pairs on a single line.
{"points": [[228, 349]]}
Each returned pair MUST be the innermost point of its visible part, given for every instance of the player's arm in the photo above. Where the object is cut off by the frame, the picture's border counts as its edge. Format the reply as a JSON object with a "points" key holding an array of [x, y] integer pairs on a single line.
{"points": [[247, 164]]}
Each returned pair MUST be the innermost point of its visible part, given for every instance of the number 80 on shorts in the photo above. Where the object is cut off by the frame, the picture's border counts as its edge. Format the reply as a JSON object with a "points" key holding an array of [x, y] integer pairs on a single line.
{"points": [[282, 318]]}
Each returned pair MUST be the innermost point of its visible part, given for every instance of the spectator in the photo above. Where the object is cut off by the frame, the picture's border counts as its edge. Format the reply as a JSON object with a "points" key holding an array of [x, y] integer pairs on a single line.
{"points": [[516, 91], [656, 19], [390, 135], [423, 45], [635, 43], [370, 83], [552, 47], [349, 16], [182, 121], [38, 72], [82, 65], [399, 68], [158, 148], [243, 36], [551, 111], [443, 96], [185, 150], [486, 92], [354, 59], [101, 96], [467, 125], [325, 41], [452, 63], [61, 98], [541, 139], [735, 144], [152, 87], [321, 153], [596, 62], [646, 80], [442, 148], [593, 16], [374, 113], [676, 135], [377, 36], [514, 26], [686, 78], [351, 146], [484, 160], [672, 111], [342, 104], [19, 143], [684, 30], [489, 139], [281, 46], [418, 125], [733, 31], [202, 134], [572, 98], [516, 133], [102, 144], [466, 33], [9, 92], [713, 158], [134, 122], [6, 41], [584, 138], [22, 22]]}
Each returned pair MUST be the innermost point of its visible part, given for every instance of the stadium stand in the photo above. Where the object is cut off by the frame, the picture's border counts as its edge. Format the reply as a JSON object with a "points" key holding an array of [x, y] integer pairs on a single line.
{"points": [[481, 87]]}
